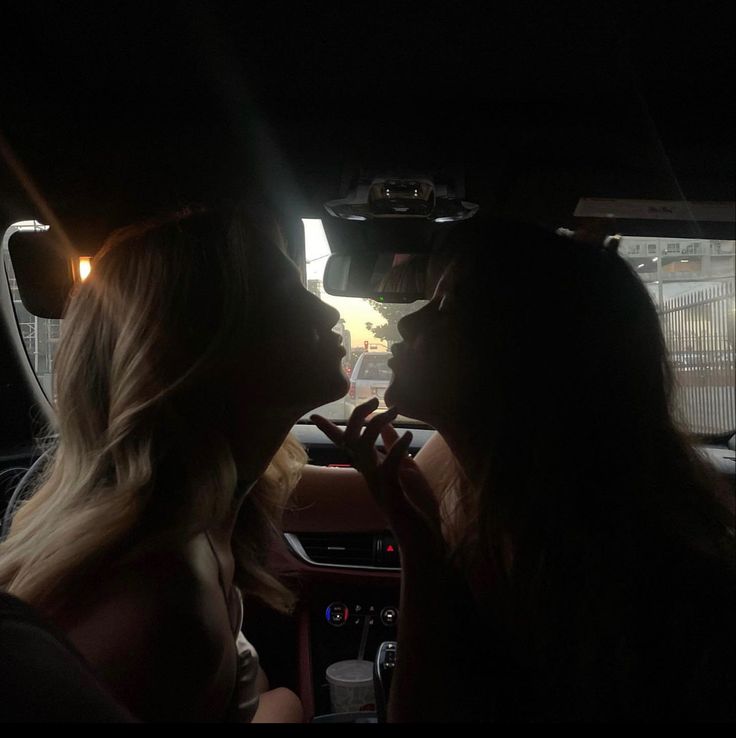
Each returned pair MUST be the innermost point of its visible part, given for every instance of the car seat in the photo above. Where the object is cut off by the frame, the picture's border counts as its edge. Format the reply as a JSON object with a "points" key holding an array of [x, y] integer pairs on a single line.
{"points": [[43, 678]]}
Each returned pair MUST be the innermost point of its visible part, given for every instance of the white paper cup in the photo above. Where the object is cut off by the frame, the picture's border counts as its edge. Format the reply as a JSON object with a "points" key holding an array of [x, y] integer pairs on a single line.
{"points": [[351, 686]]}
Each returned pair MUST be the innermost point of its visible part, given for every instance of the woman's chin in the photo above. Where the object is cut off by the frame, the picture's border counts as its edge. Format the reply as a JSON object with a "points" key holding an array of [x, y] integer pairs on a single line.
{"points": [[408, 406], [336, 390], [393, 398], [344, 386]]}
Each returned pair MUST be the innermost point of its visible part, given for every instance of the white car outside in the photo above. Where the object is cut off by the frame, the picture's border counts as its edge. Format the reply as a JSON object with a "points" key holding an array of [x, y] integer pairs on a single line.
{"points": [[370, 377]]}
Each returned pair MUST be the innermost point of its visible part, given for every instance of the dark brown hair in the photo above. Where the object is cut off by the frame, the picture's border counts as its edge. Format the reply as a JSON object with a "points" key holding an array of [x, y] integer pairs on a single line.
{"points": [[611, 515]]}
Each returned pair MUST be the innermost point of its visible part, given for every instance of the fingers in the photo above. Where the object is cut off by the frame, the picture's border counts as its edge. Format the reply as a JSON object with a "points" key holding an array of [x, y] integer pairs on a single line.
{"points": [[396, 454], [328, 428], [357, 420], [396, 501], [361, 448], [354, 425], [381, 424], [376, 425], [389, 436]]}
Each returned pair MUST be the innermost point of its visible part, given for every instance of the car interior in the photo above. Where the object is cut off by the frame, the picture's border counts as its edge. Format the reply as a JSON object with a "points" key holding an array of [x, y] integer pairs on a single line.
{"points": [[386, 129]]}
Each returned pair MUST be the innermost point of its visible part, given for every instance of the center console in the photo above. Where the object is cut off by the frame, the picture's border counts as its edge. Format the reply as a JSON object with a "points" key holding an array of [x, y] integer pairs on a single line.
{"points": [[348, 622]]}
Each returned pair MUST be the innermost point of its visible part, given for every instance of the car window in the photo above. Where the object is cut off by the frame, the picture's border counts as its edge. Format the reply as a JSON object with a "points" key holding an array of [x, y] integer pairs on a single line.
{"points": [[40, 335], [691, 281]]}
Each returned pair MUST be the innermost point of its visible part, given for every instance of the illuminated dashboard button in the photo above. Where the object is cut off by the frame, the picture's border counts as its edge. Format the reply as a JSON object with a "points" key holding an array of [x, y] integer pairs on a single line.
{"points": [[337, 614], [389, 615]]}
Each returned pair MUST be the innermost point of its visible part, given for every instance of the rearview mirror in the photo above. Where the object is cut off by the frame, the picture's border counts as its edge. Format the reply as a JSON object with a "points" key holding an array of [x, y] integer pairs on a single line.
{"points": [[384, 276]]}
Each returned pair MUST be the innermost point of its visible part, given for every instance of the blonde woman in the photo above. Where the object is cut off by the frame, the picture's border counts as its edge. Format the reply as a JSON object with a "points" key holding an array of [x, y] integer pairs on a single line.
{"points": [[186, 358]]}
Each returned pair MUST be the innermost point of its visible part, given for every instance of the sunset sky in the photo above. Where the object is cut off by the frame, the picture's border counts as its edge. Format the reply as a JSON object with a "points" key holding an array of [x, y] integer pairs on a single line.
{"points": [[356, 312]]}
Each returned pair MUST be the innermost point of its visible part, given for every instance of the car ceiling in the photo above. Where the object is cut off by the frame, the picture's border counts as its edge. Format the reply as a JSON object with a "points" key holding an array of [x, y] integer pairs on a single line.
{"points": [[110, 112]]}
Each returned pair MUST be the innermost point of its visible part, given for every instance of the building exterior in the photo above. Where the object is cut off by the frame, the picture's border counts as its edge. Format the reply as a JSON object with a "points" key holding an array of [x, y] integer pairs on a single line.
{"points": [[672, 267]]}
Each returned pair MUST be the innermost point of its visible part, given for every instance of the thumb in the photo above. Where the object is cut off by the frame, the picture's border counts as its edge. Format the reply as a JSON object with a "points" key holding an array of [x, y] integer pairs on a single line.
{"points": [[396, 455]]}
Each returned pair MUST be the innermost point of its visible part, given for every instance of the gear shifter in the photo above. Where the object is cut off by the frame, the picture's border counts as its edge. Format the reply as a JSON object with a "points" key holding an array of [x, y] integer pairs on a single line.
{"points": [[383, 671]]}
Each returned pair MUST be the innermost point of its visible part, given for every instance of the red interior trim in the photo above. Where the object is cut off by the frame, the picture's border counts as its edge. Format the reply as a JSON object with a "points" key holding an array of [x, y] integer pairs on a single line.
{"points": [[304, 673]]}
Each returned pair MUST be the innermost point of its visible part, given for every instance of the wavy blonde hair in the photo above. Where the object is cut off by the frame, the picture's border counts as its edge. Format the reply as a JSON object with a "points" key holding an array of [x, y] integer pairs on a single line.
{"points": [[141, 456]]}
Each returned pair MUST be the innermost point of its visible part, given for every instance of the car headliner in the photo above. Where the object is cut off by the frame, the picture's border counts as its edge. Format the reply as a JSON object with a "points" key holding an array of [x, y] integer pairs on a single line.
{"points": [[109, 112], [113, 112]]}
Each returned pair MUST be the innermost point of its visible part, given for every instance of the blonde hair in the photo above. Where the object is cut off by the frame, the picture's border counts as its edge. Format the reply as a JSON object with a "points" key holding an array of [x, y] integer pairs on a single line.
{"points": [[141, 456], [457, 498]]}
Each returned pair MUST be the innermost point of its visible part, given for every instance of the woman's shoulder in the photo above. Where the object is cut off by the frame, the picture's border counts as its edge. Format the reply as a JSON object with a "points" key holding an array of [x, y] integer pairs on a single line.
{"points": [[153, 626], [156, 591]]}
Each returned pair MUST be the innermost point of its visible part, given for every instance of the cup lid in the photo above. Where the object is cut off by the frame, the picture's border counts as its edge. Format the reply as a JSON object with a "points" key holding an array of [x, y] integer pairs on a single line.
{"points": [[352, 671]]}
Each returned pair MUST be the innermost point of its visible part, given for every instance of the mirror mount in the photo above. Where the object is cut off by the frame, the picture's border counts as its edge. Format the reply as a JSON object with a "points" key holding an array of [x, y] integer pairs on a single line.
{"points": [[414, 196]]}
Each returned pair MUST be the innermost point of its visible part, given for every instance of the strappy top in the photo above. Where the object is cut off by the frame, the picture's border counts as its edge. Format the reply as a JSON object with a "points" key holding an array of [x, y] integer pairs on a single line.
{"points": [[244, 701]]}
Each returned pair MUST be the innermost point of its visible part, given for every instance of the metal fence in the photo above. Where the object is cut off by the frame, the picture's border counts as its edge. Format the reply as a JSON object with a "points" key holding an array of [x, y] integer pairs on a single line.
{"points": [[40, 336], [699, 330]]}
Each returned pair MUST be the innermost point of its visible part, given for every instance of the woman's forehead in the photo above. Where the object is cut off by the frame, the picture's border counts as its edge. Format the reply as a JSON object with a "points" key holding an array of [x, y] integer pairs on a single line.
{"points": [[271, 266]]}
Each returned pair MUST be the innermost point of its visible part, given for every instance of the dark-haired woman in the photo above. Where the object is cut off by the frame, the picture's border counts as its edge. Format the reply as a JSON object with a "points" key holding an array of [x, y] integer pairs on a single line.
{"points": [[578, 566]]}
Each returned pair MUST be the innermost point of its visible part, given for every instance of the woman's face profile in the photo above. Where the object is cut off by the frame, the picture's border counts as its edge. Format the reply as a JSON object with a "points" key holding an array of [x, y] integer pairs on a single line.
{"points": [[292, 360], [428, 364]]}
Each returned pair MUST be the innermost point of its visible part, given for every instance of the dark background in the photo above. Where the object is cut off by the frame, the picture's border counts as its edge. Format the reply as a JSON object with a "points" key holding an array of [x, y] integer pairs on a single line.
{"points": [[114, 110]]}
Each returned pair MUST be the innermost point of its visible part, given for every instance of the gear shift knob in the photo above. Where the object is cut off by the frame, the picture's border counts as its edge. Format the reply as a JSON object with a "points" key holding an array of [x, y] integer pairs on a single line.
{"points": [[383, 670]]}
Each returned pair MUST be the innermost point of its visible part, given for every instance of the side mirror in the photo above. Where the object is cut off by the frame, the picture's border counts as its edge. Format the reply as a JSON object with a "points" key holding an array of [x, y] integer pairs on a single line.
{"points": [[44, 272], [383, 276]]}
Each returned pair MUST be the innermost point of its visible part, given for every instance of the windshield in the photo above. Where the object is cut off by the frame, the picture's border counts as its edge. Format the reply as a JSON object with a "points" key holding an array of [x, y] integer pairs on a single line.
{"points": [[368, 329]]}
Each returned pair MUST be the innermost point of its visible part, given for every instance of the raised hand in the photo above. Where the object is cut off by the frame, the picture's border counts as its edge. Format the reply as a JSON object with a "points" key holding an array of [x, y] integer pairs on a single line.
{"points": [[396, 482]]}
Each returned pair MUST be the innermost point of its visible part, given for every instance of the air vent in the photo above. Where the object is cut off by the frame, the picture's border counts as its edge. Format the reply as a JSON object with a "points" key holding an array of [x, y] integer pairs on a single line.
{"points": [[344, 549]]}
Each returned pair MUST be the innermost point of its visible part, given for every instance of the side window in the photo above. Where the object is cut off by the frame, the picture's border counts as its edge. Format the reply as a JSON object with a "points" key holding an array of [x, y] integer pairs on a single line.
{"points": [[692, 284]]}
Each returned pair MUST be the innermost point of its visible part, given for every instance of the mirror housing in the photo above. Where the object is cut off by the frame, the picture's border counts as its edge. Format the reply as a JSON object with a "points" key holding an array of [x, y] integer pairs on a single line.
{"points": [[45, 272], [389, 260], [384, 276], [46, 268]]}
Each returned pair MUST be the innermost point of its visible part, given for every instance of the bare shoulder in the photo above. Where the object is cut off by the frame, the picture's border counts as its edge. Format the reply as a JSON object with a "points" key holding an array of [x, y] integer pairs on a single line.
{"points": [[435, 450], [154, 632]]}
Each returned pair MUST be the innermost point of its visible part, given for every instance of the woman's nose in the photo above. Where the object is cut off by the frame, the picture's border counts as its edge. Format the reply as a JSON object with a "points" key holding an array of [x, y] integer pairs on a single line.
{"points": [[326, 314], [407, 325], [333, 315]]}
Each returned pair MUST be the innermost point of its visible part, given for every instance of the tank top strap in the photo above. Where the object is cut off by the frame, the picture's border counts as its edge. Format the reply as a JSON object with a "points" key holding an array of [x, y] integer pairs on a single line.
{"points": [[236, 610], [232, 596]]}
